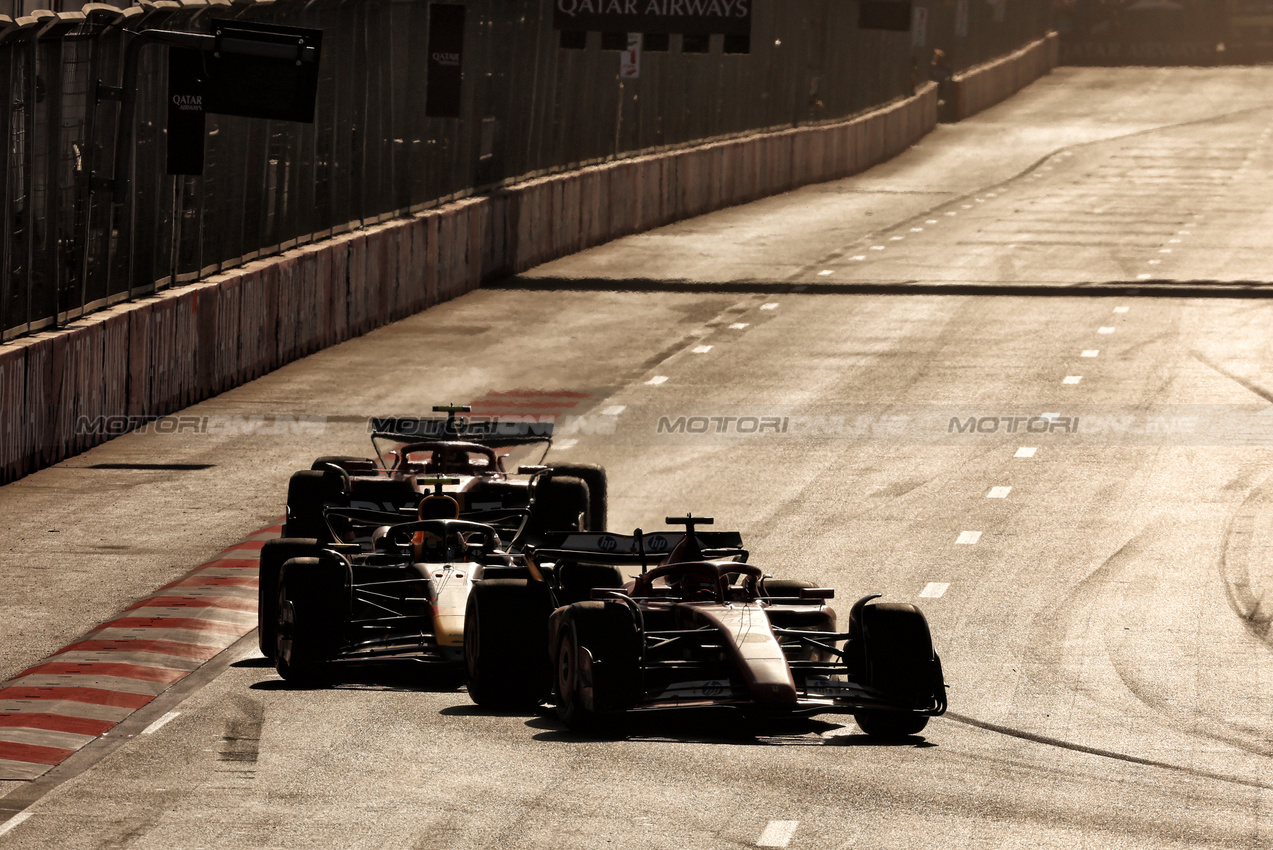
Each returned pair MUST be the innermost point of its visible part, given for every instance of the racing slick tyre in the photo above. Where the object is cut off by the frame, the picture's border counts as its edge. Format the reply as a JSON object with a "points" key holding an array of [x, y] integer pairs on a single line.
{"points": [[594, 476], [274, 554], [597, 673], [506, 643], [560, 504], [312, 607], [308, 492], [898, 657]]}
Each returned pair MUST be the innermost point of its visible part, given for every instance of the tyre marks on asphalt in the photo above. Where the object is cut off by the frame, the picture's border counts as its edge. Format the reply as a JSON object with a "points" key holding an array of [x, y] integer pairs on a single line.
{"points": [[51, 710]]}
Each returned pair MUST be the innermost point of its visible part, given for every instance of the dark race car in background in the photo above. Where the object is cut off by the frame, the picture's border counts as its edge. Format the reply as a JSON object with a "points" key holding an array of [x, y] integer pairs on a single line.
{"points": [[697, 627]]}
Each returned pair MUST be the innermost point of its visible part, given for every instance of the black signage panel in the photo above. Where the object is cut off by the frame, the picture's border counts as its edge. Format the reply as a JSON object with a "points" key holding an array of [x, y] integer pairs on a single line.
{"points": [[892, 15], [185, 111], [690, 17], [446, 60], [263, 71]]}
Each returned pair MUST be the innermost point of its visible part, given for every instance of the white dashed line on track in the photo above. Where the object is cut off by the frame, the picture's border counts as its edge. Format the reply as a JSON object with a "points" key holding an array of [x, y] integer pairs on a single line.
{"points": [[1072, 379], [778, 833], [1143, 276], [858, 257], [738, 326], [614, 410], [952, 212], [968, 538], [1121, 309], [877, 247], [896, 238], [1105, 330], [825, 272], [14, 821], [701, 349], [934, 590], [917, 230], [1164, 250], [1026, 451], [1091, 352], [657, 380], [772, 305], [930, 221], [998, 492], [161, 723], [1155, 262], [561, 445]]}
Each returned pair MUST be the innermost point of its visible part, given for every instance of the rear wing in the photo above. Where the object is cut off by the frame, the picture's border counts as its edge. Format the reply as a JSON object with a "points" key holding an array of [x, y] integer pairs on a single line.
{"points": [[623, 547], [487, 432]]}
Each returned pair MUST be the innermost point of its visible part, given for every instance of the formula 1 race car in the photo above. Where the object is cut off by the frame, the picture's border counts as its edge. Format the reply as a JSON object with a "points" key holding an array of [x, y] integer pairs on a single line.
{"points": [[405, 597], [697, 627], [474, 452]]}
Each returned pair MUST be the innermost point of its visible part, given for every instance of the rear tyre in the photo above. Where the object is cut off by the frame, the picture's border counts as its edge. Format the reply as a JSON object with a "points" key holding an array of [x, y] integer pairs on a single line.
{"points": [[506, 644], [274, 554], [312, 610], [561, 504], [890, 724], [308, 492], [594, 475]]}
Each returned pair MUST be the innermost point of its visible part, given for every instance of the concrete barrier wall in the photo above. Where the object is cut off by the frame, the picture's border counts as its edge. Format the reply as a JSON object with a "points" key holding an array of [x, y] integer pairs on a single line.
{"points": [[63, 392], [985, 85]]}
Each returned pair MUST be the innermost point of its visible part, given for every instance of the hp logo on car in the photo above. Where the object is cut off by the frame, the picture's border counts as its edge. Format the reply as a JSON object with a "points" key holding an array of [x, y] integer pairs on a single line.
{"points": [[607, 544], [657, 543]]}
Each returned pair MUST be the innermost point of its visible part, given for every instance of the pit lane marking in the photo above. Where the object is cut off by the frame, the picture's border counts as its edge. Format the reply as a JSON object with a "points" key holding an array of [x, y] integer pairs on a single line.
{"points": [[934, 590], [657, 380], [1091, 352], [738, 326], [968, 538], [161, 723], [1072, 379], [702, 349], [998, 492], [777, 833]]}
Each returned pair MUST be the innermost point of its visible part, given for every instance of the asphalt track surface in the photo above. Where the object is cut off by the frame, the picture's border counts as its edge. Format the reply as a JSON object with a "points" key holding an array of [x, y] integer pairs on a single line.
{"points": [[1103, 625]]}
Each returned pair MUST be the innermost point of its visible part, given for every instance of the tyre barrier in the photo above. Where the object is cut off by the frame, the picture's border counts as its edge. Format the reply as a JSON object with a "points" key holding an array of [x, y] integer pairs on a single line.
{"points": [[154, 356]]}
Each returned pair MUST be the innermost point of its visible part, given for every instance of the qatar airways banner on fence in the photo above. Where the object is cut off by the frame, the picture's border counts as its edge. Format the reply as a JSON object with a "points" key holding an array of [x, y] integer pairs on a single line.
{"points": [[693, 17]]}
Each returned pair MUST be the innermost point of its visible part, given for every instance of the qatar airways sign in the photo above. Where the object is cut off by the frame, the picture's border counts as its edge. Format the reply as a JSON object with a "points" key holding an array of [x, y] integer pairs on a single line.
{"points": [[694, 17]]}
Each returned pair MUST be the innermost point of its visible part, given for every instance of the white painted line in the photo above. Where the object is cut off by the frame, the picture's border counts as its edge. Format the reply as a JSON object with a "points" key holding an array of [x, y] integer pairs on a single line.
{"points": [[561, 445], [1026, 451], [656, 381], [877, 247], [1121, 309], [825, 272], [1072, 379], [22, 816], [1143, 276], [1105, 330], [917, 230], [614, 410], [1173, 241], [1183, 232], [858, 257], [1155, 262], [979, 200], [998, 492], [896, 238], [772, 305], [1050, 416], [738, 326], [161, 723], [701, 349], [991, 195], [968, 538], [965, 206], [930, 221], [1164, 250], [778, 833], [952, 212], [1091, 352], [934, 590]]}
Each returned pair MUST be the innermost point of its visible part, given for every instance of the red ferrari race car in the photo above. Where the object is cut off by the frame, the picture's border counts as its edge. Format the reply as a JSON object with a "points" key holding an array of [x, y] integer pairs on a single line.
{"points": [[698, 626], [475, 452]]}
